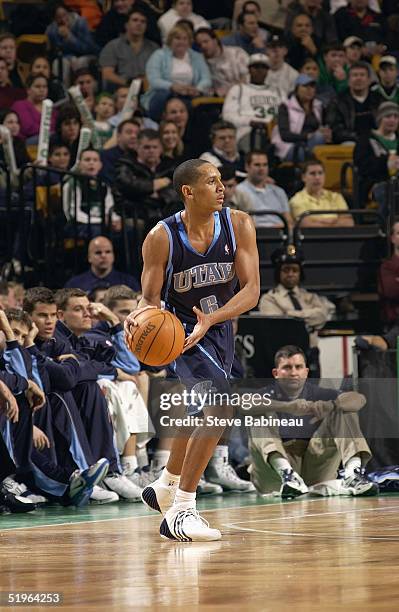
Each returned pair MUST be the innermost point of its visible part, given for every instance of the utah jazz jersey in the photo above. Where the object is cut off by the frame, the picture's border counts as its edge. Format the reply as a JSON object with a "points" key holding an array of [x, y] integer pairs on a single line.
{"points": [[206, 280]]}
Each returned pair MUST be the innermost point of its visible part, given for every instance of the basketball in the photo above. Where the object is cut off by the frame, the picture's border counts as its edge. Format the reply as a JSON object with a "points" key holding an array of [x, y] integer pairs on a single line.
{"points": [[158, 339]]}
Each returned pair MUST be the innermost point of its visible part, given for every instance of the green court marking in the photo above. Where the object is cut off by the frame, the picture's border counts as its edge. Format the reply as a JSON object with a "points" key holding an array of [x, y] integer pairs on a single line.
{"points": [[56, 515]]}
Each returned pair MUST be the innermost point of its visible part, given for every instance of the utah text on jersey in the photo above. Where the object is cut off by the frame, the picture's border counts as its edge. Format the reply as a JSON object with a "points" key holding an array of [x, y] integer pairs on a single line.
{"points": [[203, 275]]}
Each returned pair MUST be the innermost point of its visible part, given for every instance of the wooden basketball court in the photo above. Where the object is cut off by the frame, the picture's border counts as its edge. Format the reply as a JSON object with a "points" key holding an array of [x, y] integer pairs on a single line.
{"points": [[308, 555]]}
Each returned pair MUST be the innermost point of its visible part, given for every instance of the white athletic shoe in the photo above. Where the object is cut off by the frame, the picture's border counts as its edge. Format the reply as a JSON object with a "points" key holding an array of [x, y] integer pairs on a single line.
{"points": [[183, 523], [158, 496], [125, 488], [208, 488], [103, 496], [355, 485], [292, 485], [143, 478], [20, 489], [222, 473]]}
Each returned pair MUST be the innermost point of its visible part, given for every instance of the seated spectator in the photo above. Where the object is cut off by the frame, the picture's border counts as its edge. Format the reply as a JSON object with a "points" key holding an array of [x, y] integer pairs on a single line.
{"points": [[301, 41], [8, 93], [56, 90], [181, 9], [125, 57], [387, 87], [70, 34], [388, 281], [353, 47], [314, 197], [175, 70], [172, 144], [323, 23], [113, 21], [176, 111], [88, 202], [357, 19], [252, 105], [291, 459], [30, 110], [144, 181], [67, 129], [323, 93], [228, 65], [84, 78], [104, 110], [102, 272], [300, 122], [233, 198], [8, 51], [249, 36], [332, 67], [126, 142], [89, 9], [224, 147], [376, 154], [289, 299], [10, 120], [352, 112], [261, 194], [281, 75]]}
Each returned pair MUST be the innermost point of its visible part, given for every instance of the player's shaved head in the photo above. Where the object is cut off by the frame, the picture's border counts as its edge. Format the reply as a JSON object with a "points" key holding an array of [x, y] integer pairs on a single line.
{"points": [[187, 173]]}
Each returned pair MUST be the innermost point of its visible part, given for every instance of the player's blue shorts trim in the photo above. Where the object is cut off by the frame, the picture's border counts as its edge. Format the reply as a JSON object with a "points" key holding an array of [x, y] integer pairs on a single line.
{"points": [[209, 362]]}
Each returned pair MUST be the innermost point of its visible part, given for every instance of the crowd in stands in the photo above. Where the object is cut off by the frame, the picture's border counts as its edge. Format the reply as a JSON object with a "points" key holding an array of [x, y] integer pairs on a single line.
{"points": [[160, 82]]}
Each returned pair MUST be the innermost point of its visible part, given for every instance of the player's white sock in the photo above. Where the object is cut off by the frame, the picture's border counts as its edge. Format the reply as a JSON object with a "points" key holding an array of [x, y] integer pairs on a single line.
{"points": [[279, 463], [129, 464], [220, 453], [184, 497], [160, 459], [167, 479], [142, 456], [351, 465]]}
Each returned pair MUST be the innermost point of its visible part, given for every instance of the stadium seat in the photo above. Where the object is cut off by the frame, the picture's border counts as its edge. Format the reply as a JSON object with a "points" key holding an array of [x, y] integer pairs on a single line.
{"points": [[333, 157]]}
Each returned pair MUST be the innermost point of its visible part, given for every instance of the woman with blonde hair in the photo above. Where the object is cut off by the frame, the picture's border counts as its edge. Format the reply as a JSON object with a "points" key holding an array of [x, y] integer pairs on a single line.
{"points": [[175, 70], [172, 143]]}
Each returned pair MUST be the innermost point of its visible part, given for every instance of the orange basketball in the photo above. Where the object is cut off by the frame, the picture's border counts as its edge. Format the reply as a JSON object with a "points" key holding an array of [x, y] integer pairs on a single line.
{"points": [[158, 339]]}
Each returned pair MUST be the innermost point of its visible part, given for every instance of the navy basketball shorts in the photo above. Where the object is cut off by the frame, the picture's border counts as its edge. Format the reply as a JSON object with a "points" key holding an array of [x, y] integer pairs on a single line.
{"points": [[207, 366]]}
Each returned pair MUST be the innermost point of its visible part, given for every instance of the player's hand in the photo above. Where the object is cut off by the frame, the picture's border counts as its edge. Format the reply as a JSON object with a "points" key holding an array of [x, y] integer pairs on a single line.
{"points": [[30, 338], [40, 440], [204, 322], [67, 356], [35, 396], [8, 403], [131, 322]]}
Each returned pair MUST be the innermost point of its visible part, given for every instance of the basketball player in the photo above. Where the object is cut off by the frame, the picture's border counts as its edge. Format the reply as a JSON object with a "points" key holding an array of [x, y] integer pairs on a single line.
{"points": [[193, 261]]}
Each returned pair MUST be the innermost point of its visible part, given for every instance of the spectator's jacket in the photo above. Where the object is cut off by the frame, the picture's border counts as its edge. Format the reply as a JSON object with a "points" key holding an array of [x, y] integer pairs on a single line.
{"points": [[371, 27], [323, 22], [95, 358], [80, 41], [384, 96], [134, 181], [103, 333], [113, 24], [283, 137], [388, 289], [371, 158], [159, 71], [341, 116]]}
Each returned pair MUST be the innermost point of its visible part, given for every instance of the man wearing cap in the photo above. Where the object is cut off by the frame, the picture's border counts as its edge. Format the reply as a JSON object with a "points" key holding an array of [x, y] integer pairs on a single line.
{"points": [[288, 299], [254, 104], [323, 22], [249, 35], [387, 88], [376, 154], [353, 46], [281, 75]]}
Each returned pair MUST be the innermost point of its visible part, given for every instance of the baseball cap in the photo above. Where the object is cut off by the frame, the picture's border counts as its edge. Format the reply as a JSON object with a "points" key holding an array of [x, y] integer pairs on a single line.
{"points": [[304, 79], [388, 59], [288, 254], [353, 40], [277, 40], [258, 58]]}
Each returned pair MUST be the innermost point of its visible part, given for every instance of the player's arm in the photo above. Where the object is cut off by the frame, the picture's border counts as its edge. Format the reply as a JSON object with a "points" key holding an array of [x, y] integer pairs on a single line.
{"points": [[246, 263], [155, 259]]}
